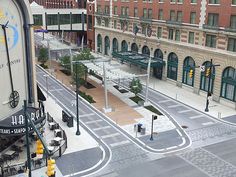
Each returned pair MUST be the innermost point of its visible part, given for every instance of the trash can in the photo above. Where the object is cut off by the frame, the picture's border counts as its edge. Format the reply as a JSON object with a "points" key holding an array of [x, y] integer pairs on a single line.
{"points": [[139, 127], [143, 131]]}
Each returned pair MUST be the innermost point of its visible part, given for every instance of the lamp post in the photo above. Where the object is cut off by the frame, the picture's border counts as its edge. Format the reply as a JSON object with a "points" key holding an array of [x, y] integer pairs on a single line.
{"points": [[27, 138], [77, 102], [147, 81]]}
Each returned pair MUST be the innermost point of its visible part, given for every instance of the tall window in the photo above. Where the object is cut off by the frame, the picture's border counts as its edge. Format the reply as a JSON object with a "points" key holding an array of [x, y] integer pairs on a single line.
{"points": [[159, 32], [115, 10], [106, 9], [144, 13], [171, 34], [233, 2], [180, 1], [179, 16], [177, 35], [231, 44], [106, 21], [193, 17], [214, 1], [207, 81], [135, 12], [233, 21], [191, 37], [160, 14], [90, 22], [211, 40], [122, 10], [150, 13], [172, 66], [172, 15], [193, 1], [189, 64], [115, 24], [228, 87], [99, 9], [213, 19]]}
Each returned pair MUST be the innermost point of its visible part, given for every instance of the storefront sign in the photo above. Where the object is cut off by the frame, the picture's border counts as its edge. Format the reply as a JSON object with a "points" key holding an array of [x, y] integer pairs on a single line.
{"points": [[15, 124]]}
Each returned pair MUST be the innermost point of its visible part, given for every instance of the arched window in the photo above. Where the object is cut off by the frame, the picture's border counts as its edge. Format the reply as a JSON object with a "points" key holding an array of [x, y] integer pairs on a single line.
{"points": [[172, 68], [124, 46], [99, 43], [115, 45], [207, 81], [107, 45], [228, 85], [134, 48], [146, 51], [188, 71], [158, 54]]}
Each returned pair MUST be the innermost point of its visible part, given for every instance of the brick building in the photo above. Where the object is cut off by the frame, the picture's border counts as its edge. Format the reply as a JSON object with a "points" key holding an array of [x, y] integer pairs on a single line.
{"points": [[184, 34]]}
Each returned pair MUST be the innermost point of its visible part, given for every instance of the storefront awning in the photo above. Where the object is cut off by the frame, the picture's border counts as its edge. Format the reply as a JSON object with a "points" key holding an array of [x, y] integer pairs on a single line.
{"points": [[138, 59]]}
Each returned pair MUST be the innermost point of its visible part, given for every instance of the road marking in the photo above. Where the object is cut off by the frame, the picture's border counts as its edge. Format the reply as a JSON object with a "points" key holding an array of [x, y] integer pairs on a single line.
{"points": [[87, 115], [163, 101], [93, 121], [197, 116], [101, 128], [110, 135], [173, 106], [119, 143], [208, 123], [187, 110], [53, 90]]}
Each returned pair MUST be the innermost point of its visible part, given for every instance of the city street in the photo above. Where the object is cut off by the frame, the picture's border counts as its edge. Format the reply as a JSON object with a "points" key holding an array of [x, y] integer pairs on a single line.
{"points": [[123, 155]]}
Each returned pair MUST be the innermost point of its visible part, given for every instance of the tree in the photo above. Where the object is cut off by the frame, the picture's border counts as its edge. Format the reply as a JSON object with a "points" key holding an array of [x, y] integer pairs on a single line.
{"points": [[65, 62], [43, 55], [82, 70], [135, 86]]}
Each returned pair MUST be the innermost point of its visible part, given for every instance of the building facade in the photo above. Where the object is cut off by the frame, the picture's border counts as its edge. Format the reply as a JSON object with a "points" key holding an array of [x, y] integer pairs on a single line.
{"points": [[186, 34], [61, 18]]}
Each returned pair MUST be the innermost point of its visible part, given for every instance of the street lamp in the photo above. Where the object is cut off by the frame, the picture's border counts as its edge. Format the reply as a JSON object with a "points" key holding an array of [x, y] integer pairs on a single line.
{"points": [[77, 101], [147, 82]]}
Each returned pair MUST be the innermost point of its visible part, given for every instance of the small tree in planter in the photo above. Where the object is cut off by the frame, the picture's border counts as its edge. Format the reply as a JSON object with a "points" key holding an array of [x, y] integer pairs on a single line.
{"points": [[43, 56], [135, 86], [82, 70], [65, 62]]}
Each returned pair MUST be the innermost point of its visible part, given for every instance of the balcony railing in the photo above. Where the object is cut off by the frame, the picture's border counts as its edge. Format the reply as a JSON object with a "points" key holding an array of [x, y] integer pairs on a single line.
{"points": [[230, 29], [171, 22]]}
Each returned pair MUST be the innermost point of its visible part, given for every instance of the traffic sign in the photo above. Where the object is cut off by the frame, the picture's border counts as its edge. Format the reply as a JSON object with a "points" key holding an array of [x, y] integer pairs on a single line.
{"points": [[202, 68]]}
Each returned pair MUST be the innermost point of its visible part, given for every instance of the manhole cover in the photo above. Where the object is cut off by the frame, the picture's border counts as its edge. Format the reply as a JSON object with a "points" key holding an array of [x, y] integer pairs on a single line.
{"points": [[184, 126]]}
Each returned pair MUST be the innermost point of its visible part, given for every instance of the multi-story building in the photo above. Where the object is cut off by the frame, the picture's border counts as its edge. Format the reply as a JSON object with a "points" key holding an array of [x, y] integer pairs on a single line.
{"points": [[61, 17], [185, 34]]}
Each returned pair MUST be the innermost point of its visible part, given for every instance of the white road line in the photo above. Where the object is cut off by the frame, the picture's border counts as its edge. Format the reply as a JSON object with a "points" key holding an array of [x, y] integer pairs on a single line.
{"points": [[93, 121], [87, 115], [119, 143], [180, 134], [197, 116], [53, 90], [110, 135], [101, 128], [208, 123], [174, 106], [183, 142], [172, 147], [163, 101], [187, 110]]}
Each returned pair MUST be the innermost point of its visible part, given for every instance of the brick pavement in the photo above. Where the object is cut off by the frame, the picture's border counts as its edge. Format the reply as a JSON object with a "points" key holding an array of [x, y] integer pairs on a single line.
{"points": [[122, 113]]}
